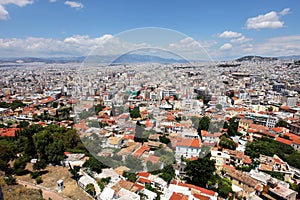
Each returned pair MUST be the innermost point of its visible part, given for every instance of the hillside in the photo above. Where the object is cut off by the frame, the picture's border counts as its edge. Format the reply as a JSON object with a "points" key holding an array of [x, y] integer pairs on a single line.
{"points": [[255, 58]]}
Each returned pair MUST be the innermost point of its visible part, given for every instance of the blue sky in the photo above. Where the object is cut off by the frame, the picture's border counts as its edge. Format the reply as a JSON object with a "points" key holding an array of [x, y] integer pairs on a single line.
{"points": [[225, 29]]}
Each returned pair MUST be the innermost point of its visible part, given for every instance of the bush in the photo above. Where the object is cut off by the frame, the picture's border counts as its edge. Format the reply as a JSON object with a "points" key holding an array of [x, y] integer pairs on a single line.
{"points": [[38, 180], [34, 175], [10, 180]]}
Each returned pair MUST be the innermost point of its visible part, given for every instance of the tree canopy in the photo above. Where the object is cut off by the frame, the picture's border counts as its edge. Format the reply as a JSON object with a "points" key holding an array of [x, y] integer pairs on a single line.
{"points": [[203, 125], [281, 123], [94, 165], [269, 147], [227, 143], [199, 172], [135, 112]]}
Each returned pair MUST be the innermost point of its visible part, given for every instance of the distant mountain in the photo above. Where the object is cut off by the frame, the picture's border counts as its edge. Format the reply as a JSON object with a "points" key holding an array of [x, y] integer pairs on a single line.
{"points": [[43, 60], [138, 58], [292, 57], [123, 59], [255, 58]]}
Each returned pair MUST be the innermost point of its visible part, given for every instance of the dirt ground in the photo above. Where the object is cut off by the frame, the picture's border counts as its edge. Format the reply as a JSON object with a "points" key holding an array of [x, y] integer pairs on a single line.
{"points": [[17, 192], [54, 173]]}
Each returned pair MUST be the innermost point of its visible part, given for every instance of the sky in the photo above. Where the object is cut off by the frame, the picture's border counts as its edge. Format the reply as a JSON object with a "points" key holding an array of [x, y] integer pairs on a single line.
{"points": [[220, 29]]}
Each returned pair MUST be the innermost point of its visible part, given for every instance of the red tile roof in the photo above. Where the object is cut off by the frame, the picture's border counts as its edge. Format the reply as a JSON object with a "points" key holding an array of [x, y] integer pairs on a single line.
{"points": [[48, 100], [141, 150], [139, 187], [143, 180], [153, 159], [295, 138], [277, 129], [128, 137], [284, 107], [170, 118], [201, 197], [144, 174], [202, 190], [247, 160], [178, 196], [8, 132], [284, 141], [189, 142]]}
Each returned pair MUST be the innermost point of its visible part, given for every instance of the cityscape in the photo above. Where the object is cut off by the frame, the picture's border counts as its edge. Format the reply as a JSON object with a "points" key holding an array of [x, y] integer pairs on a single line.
{"points": [[153, 112]]}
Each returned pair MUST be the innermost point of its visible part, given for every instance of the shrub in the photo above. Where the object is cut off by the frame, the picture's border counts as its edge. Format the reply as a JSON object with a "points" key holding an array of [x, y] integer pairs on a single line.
{"points": [[38, 180], [34, 175], [10, 180]]}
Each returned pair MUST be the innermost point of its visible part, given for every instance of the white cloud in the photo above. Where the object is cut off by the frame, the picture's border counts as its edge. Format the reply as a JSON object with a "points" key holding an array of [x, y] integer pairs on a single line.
{"points": [[274, 47], [226, 46], [240, 40], [19, 3], [191, 49], [285, 11], [229, 34], [74, 4], [4, 13], [52, 1], [76, 45], [268, 20], [279, 46]]}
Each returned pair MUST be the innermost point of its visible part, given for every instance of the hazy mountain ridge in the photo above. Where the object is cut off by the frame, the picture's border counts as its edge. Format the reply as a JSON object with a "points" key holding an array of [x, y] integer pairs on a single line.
{"points": [[256, 58], [129, 58]]}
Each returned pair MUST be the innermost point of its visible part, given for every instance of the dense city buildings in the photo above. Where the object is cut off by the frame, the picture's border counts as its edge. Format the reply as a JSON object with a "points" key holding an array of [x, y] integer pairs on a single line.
{"points": [[142, 127]]}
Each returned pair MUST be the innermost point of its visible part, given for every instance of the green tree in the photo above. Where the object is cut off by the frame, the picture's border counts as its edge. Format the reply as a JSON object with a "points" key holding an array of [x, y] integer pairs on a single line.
{"points": [[16, 104], [203, 125], [130, 176], [4, 105], [94, 165], [281, 123], [74, 171], [6, 155], [20, 164], [103, 182], [135, 164], [232, 126], [200, 171], [39, 165], [140, 135], [90, 188], [98, 108], [41, 141], [54, 104], [221, 185], [55, 152], [227, 143], [39, 180], [135, 113], [23, 124], [224, 187], [164, 139], [10, 180], [167, 173], [71, 139]]}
